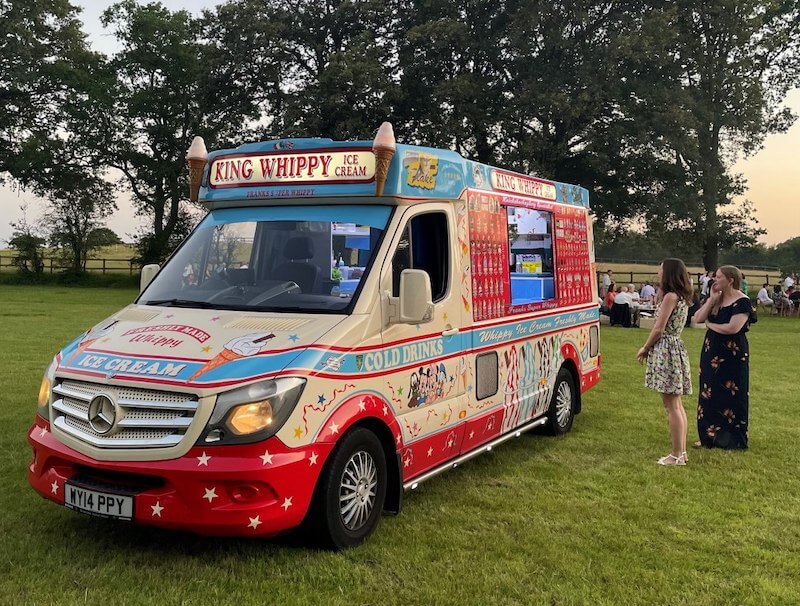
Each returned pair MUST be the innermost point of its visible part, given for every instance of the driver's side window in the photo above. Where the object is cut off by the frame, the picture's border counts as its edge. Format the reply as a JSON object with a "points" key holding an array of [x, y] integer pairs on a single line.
{"points": [[424, 245]]}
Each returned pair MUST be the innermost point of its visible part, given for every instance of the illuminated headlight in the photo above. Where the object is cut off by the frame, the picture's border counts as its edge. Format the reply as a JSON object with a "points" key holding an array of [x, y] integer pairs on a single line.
{"points": [[45, 389], [252, 413]]}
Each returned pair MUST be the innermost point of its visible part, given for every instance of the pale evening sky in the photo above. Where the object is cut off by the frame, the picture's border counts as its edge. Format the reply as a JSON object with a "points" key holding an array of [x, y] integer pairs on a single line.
{"points": [[772, 174]]}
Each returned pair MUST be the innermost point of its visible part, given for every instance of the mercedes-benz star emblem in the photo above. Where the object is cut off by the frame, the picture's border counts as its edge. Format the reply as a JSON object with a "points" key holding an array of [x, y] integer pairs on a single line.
{"points": [[102, 414]]}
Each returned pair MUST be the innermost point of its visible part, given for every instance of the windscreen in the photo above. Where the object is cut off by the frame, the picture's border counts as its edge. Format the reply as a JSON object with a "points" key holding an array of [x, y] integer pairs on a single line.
{"points": [[285, 258]]}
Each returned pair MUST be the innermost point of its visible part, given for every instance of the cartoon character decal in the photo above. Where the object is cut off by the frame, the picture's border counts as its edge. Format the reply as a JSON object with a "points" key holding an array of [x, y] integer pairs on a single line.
{"points": [[429, 384]]}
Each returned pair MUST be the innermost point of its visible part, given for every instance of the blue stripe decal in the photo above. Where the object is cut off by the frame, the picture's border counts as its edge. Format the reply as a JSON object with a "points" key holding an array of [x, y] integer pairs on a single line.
{"points": [[317, 358]]}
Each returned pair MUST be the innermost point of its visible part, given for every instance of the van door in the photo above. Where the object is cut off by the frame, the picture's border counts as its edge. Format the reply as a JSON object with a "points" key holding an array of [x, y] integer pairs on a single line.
{"points": [[429, 386]]}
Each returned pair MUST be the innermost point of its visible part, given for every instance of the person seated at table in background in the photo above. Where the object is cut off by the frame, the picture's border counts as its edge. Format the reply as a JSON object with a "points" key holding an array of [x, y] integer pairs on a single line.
{"points": [[608, 282], [623, 296], [788, 281], [780, 300], [794, 295], [635, 298], [763, 296], [611, 295], [648, 292]]}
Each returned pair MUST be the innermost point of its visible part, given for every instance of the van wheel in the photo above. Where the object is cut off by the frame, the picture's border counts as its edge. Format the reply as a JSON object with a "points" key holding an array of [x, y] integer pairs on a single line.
{"points": [[352, 489], [562, 405]]}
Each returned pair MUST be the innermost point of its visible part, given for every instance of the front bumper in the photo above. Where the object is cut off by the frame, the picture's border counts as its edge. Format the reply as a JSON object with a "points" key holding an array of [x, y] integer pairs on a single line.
{"points": [[245, 490]]}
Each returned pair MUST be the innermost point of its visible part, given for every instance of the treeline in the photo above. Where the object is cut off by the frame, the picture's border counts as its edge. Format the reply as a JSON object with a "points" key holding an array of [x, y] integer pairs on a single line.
{"points": [[646, 103], [628, 245]]}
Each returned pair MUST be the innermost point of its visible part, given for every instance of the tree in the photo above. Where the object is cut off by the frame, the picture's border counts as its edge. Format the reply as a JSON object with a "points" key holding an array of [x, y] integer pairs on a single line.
{"points": [[159, 105], [74, 219], [28, 243], [732, 61]]}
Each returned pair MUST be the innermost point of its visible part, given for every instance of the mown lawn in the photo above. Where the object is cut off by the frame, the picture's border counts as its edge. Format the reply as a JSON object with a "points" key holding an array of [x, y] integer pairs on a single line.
{"points": [[587, 519]]}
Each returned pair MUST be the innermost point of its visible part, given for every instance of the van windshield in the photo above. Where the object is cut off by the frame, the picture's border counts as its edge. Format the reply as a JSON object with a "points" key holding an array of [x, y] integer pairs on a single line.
{"points": [[279, 258]]}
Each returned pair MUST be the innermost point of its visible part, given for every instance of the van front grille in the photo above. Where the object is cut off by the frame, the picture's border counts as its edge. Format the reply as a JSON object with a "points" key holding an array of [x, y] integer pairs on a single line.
{"points": [[141, 418]]}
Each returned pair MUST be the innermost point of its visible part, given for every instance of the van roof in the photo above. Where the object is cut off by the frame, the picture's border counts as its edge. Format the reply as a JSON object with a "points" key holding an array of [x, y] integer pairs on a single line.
{"points": [[322, 168]]}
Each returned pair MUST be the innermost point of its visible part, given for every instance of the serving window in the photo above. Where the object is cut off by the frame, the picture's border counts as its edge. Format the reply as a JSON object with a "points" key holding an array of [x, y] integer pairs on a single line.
{"points": [[531, 255]]}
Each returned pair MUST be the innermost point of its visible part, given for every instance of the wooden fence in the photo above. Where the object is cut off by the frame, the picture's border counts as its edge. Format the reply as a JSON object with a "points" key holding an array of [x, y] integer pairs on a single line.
{"points": [[94, 265]]}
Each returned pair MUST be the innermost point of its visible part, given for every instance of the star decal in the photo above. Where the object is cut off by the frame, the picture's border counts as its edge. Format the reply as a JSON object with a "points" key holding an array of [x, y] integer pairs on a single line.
{"points": [[215, 318], [385, 410], [334, 427], [254, 522], [206, 348], [266, 458], [321, 399], [399, 391], [211, 494], [293, 338], [398, 438], [203, 459], [471, 434], [42, 432], [444, 316], [406, 461], [298, 432], [418, 327], [54, 487], [287, 503], [362, 406], [157, 509], [312, 459], [452, 378], [430, 451], [169, 316]]}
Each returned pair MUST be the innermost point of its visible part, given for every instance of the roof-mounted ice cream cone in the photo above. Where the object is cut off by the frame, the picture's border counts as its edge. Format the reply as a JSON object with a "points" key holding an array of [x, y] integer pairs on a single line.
{"points": [[196, 158], [383, 147]]}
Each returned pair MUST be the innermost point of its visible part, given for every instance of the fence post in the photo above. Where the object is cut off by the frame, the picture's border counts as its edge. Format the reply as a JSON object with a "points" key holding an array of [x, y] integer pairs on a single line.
{"points": [[51, 264], [104, 266]]}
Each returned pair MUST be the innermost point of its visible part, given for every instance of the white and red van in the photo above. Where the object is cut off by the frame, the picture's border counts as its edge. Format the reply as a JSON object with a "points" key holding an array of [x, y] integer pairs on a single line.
{"points": [[348, 320]]}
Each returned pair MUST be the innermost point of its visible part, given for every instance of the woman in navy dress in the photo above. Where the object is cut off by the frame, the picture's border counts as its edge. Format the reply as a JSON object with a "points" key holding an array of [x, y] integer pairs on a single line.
{"points": [[722, 410]]}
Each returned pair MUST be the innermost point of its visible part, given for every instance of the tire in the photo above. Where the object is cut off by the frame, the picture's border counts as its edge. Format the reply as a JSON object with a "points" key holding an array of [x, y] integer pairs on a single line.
{"points": [[350, 494], [562, 405]]}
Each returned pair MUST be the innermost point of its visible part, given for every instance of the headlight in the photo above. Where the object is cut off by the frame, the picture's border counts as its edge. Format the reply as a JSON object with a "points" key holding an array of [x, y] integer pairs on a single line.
{"points": [[252, 413], [45, 388]]}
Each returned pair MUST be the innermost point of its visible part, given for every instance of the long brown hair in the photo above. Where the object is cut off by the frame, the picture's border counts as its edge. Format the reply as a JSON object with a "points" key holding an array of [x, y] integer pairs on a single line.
{"points": [[675, 278], [732, 273]]}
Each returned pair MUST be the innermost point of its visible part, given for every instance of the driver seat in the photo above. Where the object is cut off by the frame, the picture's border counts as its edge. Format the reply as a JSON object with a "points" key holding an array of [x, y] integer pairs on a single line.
{"points": [[301, 272]]}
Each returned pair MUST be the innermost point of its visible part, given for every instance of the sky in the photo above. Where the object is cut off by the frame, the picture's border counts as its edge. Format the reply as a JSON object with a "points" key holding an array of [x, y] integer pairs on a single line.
{"points": [[773, 174]]}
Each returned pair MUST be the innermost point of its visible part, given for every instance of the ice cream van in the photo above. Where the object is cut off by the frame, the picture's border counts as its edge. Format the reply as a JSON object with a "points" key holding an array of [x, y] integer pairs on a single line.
{"points": [[348, 320]]}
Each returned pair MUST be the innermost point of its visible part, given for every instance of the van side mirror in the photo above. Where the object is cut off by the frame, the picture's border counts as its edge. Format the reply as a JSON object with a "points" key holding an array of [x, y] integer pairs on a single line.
{"points": [[148, 273], [416, 306]]}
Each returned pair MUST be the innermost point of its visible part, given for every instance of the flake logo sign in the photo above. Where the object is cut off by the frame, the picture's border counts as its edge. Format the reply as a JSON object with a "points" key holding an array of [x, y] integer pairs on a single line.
{"points": [[294, 168], [519, 184], [421, 170]]}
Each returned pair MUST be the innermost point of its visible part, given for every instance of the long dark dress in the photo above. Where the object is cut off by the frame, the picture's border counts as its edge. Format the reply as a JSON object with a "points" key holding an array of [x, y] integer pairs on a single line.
{"points": [[722, 410]]}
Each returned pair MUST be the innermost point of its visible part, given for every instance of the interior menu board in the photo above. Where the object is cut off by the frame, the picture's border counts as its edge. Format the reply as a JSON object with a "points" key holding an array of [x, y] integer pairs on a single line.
{"points": [[573, 270], [488, 232]]}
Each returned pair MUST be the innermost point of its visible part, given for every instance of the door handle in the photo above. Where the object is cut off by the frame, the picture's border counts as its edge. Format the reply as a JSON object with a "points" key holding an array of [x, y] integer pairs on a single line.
{"points": [[449, 332]]}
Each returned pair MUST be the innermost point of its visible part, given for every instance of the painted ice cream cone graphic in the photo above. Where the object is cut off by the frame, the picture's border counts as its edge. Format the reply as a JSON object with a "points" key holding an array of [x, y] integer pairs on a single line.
{"points": [[196, 157], [235, 349], [383, 147]]}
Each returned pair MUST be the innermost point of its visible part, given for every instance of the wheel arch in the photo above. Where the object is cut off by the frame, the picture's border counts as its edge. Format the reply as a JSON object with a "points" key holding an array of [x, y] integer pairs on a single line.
{"points": [[394, 475], [572, 368]]}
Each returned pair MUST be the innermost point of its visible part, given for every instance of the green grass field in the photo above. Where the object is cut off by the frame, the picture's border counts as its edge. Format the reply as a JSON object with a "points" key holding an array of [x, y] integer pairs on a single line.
{"points": [[585, 519]]}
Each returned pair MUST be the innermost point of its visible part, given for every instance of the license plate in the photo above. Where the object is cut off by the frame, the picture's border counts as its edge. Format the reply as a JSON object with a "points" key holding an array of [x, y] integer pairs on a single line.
{"points": [[104, 504]]}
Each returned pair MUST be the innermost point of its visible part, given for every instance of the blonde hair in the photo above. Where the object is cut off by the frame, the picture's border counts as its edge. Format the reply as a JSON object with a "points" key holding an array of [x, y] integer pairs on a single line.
{"points": [[732, 273]]}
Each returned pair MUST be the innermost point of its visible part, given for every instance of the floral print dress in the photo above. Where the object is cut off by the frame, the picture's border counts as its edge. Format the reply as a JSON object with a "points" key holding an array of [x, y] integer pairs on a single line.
{"points": [[668, 362], [722, 409]]}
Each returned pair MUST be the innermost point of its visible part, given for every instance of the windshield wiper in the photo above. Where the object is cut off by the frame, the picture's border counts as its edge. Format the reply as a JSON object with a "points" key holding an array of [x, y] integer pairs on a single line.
{"points": [[186, 303]]}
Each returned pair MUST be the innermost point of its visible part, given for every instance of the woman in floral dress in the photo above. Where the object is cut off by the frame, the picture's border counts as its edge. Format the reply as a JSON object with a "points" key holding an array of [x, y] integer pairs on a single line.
{"points": [[722, 410], [667, 360]]}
